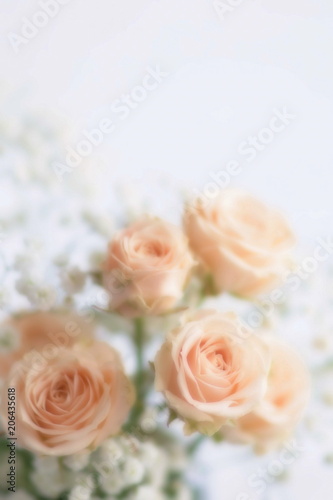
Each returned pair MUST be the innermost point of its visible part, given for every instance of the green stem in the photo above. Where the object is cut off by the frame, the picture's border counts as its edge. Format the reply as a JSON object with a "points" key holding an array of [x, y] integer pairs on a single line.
{"points": [[139, 378], [139, 344]]}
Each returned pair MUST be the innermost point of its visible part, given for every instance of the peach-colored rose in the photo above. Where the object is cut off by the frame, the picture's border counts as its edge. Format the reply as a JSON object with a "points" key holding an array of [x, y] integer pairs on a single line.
{"points": [[34, 331], [273, 420], [73, 401], [208, 373], [147, 267], [240, 241]]}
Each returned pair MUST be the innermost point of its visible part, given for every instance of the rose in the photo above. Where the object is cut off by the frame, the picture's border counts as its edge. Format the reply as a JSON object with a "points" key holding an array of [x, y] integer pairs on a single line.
{"points": [[208, 373], [240, 241], [147, 267], [75, 401], [273, 420], [32, 332]]}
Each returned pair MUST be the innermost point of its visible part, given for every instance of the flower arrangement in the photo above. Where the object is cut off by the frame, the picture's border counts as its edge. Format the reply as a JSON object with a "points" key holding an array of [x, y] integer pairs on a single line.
{"points": [[84, 420]]}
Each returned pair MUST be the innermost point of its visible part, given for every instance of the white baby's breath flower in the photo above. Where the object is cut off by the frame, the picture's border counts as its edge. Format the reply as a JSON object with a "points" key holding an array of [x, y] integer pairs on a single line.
{"points": [[155, 461], [72, 279], [148, 421], [112, 482], [96, 259], [184, 493], [83, 488], [9, 339], [133, 471], [85, 480], [39, 295], [150, 453], [61, 260], [11, 127], [129, 443], [99, 223], [77, 462], [3, 298], [79, 493], [46, 464], [51, 483], [111, 451], [146, 492], [24, 262], [19, 495]]}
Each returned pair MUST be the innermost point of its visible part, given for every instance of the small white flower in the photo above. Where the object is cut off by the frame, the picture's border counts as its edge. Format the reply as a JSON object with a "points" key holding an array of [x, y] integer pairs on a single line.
{"points": [[129, 443], [79, 493], [61, 260], [96, 259], [11, 127], [148, 422], [72, 279], [83, 488], [184, 493], [46, 464], [24, 262], [77, 462], [9, 339], [50, 483], [113, 482], [3, 297], [85, 480], [155, 461], [147, 492], [133, 471], [150, 453], [39, 295], [20, 495], [111, 451], [99, 223]]}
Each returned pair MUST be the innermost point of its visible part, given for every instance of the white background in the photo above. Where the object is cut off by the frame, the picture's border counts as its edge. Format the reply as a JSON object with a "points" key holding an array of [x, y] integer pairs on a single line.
{"points": [[225, 79]]}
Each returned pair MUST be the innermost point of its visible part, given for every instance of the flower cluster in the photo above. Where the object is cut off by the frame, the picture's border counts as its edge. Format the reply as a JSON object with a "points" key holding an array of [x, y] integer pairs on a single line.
{"points": [[80, 409]]}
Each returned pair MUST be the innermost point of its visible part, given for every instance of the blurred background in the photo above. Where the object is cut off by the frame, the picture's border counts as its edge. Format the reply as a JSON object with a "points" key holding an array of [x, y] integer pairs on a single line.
{"points": [[155, 98]]}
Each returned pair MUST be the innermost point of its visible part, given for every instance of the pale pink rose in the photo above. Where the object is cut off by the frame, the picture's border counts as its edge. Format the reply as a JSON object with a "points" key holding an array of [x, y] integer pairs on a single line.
{"points": [[241, 242], [273, 420], [34, 331], [73, 401], [147, 267], [210, 372]]}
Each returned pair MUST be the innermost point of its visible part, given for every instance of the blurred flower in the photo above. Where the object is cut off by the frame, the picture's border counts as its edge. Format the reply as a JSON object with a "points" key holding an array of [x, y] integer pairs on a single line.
{"points": [[73, 279], [241, 242], [157, 463], [147, 267], [24, 262], [80, 493], [49, 479], [78, 461], [145, 492], [20, 495], [83, 488], [133, 471], [209, 373], [30, 333], [39, 295], [70, 398], [273, 420]]}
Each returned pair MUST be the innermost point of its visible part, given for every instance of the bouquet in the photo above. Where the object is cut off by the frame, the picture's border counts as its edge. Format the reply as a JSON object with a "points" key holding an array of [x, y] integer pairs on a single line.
{"points": [[115, 370]]}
